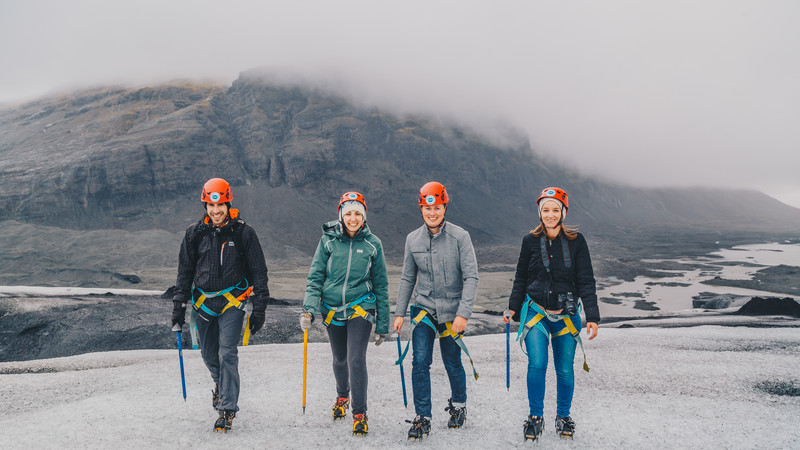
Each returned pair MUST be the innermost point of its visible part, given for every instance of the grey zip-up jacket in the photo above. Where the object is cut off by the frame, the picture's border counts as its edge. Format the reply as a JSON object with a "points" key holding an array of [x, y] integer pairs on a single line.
{"points": [[442, 272]]}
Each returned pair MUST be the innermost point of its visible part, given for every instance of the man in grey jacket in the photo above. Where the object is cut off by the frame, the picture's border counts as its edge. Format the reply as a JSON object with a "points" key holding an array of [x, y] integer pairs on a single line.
{"points": [[440, 269]]}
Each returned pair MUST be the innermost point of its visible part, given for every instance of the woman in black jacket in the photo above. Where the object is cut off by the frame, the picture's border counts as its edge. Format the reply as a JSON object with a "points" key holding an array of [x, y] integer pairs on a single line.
{"points": [[554, 276]]}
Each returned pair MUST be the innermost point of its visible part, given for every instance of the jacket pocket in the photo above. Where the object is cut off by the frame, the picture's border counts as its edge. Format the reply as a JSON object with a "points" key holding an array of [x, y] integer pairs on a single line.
{"points": [[423, 260], [422, 290]]}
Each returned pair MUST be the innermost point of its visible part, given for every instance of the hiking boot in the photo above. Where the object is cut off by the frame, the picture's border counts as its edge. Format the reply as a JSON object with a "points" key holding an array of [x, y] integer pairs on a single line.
{"points": [[533, 428], [420, 426], [224, 421], [340, 408], [215, 396], [458, 414], [565, 426], [360, 424]]}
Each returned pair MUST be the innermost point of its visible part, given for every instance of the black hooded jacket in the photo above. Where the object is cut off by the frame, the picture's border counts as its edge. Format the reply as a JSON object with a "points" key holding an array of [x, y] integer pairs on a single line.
{"points": [[531, 276], [209, 260]]}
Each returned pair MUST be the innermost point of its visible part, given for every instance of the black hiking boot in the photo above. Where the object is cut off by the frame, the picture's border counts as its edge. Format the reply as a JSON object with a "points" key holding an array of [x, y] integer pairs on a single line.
{"points": [[340, 408], [533, 428], [565, 426], [215, 396], [458, 414], [420, 426], [360, 424], [224, 421]]}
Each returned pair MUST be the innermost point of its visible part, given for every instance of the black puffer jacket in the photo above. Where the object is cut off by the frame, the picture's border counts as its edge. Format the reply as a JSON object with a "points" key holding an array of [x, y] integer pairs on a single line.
{"points": [[217, 264], [531, 276]]}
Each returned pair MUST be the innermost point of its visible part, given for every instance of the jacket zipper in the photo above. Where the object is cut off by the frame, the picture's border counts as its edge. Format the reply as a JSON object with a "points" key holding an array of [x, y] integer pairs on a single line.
{"points": [[430, 264], [347, 275]]}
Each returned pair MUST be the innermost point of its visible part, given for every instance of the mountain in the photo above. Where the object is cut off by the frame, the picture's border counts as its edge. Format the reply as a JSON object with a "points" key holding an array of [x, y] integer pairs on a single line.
{"points": [[127, 164]]}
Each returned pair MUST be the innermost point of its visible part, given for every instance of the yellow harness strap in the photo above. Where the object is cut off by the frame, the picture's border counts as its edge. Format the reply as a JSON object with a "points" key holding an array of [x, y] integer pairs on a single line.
{"points": [[532, 323], [329, 316], [569, 327], [246, 338], [448, 332], [358, 311], [575, 334], [236, 302]]}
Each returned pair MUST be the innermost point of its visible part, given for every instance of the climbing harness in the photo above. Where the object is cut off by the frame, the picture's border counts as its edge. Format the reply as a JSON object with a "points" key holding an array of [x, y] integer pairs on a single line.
{"points": [[244, 290], [237, 302], [355, 306], [422, 316], [535, 321]]}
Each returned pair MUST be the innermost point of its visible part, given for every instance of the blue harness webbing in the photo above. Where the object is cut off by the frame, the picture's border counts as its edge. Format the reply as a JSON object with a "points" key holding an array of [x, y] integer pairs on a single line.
{"points": [[422, 317], [238, 302], [355, 306], [535, 321]]}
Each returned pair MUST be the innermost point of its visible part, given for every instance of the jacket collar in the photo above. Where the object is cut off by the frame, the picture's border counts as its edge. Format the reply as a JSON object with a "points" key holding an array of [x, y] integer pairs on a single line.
{"points": [[233, 217]]}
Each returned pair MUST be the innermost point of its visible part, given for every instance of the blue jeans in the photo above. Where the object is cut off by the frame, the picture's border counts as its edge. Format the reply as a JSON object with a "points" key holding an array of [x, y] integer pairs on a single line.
{"points": [[536, 344], [422, 339]]}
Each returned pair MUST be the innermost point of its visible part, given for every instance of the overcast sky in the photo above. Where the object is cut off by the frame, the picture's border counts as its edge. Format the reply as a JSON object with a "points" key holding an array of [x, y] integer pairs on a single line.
{"points": [[669, 93]]}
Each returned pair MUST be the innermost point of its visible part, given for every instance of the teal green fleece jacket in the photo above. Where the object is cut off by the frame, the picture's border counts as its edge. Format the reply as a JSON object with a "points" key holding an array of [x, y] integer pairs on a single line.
{"points": [[345, 269]]}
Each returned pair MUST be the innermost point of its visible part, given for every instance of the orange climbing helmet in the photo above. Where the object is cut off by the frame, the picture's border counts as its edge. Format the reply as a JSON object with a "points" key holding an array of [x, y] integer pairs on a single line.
{"points": [[433, 193], [352, 196], [216, 190], [554, 193]]}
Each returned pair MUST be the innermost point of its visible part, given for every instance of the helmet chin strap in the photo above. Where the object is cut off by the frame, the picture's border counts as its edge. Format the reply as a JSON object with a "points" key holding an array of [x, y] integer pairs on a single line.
{"points": [[344, 226], [558, 225]]}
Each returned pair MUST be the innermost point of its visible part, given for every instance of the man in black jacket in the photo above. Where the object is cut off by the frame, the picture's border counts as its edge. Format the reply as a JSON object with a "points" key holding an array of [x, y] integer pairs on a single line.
{"points": [[220, 268]]}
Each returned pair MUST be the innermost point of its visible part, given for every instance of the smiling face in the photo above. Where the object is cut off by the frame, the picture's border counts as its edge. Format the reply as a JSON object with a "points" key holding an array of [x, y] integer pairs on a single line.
{"points": [[218, 212], [552, 215], [433, 215], [353, 220]]}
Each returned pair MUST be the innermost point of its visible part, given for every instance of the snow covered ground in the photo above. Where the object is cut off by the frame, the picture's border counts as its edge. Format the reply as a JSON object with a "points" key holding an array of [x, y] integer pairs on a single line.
{"points": [[648, 388]]}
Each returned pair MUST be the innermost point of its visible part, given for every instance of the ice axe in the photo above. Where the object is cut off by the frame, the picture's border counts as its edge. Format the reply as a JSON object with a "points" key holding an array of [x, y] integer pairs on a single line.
{"points": [[508, 350], [305, 366], [177, 329]]}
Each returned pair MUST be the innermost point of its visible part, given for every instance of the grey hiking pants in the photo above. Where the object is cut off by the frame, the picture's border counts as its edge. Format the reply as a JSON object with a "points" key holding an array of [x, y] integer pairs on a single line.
{"points": [[218, 339], [349, 349]]}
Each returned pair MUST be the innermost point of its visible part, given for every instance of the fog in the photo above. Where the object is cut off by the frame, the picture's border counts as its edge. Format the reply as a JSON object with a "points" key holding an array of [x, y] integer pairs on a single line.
{"points": [[670, 94]]}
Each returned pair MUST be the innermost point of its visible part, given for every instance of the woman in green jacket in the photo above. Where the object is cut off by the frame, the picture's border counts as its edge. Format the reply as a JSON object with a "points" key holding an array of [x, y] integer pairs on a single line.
{"points": [[348, 286]]}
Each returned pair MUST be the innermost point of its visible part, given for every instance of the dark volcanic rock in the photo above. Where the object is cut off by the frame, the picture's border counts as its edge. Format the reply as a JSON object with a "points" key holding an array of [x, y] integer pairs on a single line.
{"points": [[51, 327], [781, 278], [758, 306]]}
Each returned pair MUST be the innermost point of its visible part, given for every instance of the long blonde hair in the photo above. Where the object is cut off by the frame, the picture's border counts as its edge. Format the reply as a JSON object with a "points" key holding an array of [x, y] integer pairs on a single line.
{"points": [[569, 231]]}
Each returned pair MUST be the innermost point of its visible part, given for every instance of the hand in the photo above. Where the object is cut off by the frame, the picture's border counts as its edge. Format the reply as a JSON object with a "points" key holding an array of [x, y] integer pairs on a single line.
{"points": [[305, 321], [179, 314], [380, 339], [507, 315], [459, 324], [591, 330], [257, 319], [398, 324]]}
